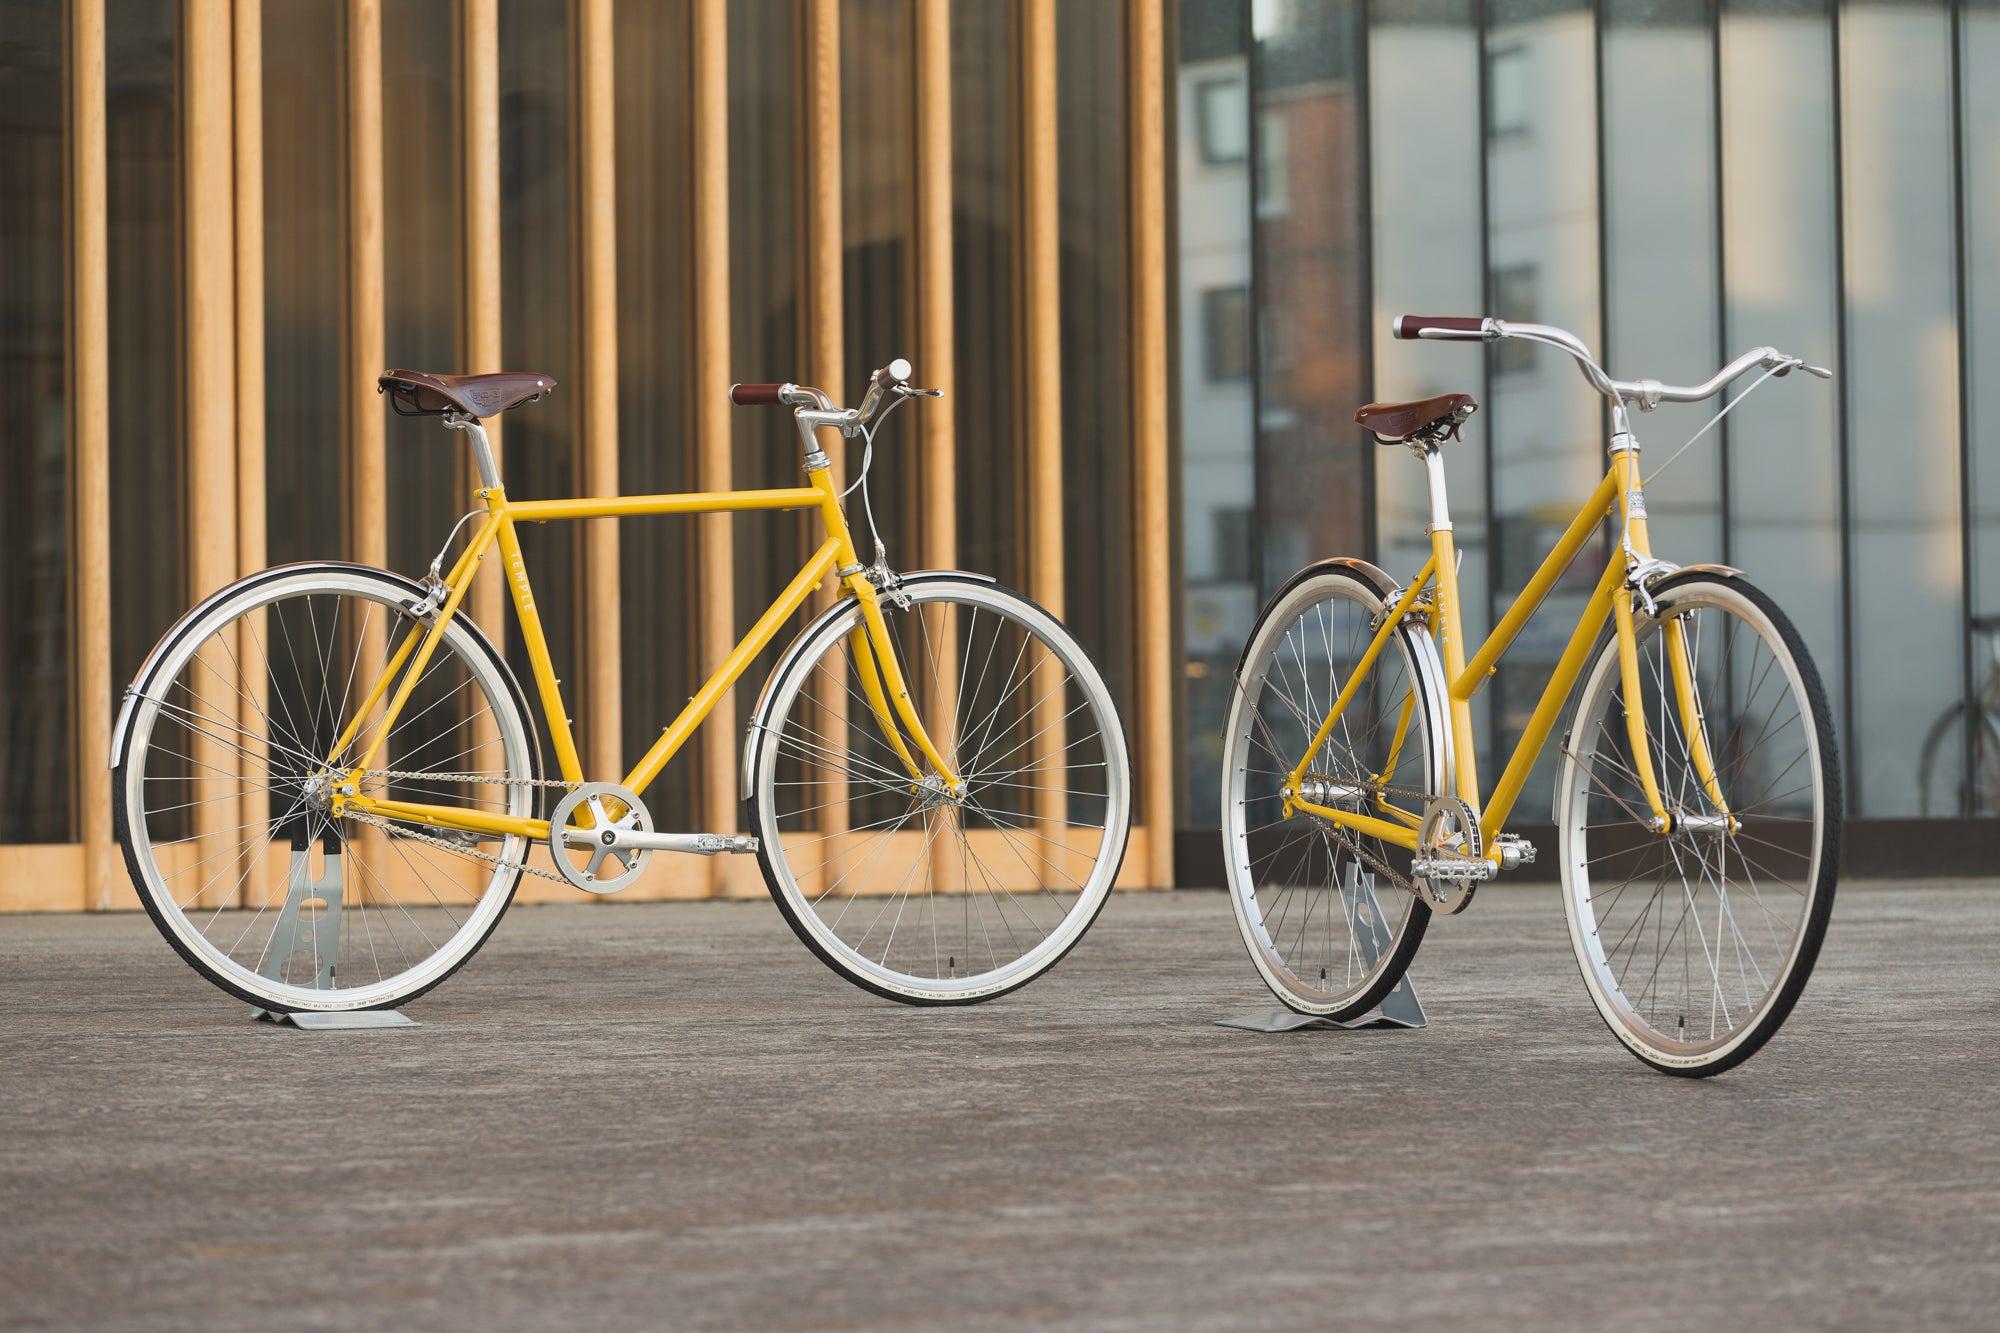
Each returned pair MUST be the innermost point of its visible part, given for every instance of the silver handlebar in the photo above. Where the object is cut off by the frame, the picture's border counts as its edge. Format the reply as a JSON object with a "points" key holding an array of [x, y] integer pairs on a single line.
{"points": [[1648, 394]]}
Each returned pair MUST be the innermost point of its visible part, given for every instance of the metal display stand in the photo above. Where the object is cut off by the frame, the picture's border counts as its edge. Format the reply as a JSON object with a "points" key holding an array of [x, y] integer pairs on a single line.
{"points": [[348, 1020], [1399, 1008], [309, 923]]}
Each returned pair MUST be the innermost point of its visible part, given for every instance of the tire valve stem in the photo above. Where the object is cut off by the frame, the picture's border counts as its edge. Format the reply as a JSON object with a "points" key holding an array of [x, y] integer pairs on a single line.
{"points": [[1322, 975], [952, 964]]}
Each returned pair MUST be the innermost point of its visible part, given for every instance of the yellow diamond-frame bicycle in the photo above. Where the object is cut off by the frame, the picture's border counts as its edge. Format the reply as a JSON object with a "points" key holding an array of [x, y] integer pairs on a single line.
{"points": [[328, 782], [1697, 800]]}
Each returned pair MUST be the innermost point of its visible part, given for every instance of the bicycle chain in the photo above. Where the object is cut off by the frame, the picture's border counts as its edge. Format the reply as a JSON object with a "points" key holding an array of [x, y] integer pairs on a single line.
{"points": [[450, 845], [472, 777], [1352, 842], [462, 849]]}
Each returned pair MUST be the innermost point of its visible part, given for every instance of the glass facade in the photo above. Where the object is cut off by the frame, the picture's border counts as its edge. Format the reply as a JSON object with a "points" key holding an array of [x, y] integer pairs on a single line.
{"points": [[1674, 181]]}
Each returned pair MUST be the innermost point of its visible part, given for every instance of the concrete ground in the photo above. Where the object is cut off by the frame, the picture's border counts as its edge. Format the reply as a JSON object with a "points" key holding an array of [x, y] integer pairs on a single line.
{"points": [[672, 1116]]}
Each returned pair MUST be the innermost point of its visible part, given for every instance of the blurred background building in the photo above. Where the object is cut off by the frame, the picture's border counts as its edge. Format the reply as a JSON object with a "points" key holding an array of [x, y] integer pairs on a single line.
{"points": [[1150, 246]]}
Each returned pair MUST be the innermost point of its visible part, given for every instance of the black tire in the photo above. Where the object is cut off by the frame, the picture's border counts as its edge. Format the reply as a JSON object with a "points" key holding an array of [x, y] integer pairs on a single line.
{"points": [[1642, 906], [1291, 879], [1002, 887], [135, 814]]}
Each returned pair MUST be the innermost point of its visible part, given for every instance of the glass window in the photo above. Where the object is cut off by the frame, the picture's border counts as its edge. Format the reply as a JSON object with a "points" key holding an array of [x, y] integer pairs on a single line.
{"points": [[1313, 468], [1904, 545], [34, 497], [656, 317], [1781, 260], [1225, 333], [1426, 255], [1222, 122], [142, 145], [1546, 424], [1507, 91], [537, 294], [986, 268], [304, 216], [1662, 275], [429, 470], [1979, 54], [878, 220], [1098, 531]]}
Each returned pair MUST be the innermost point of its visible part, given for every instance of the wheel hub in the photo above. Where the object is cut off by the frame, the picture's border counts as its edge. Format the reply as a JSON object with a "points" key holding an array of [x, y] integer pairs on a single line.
{"points": [[318, 793]]}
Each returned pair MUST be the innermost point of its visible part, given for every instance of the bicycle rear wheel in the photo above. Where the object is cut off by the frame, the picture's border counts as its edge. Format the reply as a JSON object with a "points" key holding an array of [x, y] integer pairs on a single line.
{"points": [[221, 797], [1327, 913], [898, 886], [1696, 943]]}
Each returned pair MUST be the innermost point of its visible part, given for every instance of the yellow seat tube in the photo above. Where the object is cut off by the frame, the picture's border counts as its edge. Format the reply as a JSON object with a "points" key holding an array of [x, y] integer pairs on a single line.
{"points": [[1451, 636]]}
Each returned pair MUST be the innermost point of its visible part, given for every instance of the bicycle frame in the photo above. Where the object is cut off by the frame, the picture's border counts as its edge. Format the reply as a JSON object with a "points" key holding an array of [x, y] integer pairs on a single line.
{"points": [[874, 653], [1612, 599]]}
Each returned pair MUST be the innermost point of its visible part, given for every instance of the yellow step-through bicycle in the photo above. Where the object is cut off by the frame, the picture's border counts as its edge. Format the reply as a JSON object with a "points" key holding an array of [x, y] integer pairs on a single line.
{"points": [[1697, 798], [328, 782]]}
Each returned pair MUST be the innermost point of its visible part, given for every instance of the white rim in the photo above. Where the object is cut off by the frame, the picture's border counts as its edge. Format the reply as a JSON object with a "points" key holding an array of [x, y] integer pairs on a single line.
{"points": [[1572, 799], [167, 667], [1420, 657], [1117, 804]]}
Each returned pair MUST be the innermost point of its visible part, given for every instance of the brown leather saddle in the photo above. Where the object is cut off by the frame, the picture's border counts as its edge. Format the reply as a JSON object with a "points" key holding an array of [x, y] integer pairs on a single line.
{"points": [[416, 393], [1430, 418]]}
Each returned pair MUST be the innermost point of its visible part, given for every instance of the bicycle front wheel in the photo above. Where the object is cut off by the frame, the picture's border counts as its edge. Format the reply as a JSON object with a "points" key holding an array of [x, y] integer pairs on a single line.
{"points": [[1695, 943], [1329, 914], [899, 885], [222, 793]]}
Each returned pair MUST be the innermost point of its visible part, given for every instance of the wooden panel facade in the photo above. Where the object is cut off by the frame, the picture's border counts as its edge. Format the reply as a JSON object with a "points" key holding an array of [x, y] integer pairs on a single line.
{"points": [[222, 320]]}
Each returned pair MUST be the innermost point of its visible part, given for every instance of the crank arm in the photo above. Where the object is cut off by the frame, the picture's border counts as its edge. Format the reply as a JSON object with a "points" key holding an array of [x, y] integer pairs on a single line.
{"points": [[694, 844]]}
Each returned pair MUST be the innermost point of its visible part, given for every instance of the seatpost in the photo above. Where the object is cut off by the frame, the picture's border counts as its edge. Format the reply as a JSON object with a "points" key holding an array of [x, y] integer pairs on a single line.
{"points": [[482, 451]]}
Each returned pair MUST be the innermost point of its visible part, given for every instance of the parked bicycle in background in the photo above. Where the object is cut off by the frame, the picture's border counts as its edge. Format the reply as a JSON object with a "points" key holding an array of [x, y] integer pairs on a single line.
{"points": [[1697, 803]]}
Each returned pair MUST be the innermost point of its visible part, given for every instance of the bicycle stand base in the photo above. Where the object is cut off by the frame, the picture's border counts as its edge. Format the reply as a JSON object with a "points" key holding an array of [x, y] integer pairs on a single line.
{"points": [[355, 1018], [1399, 1008]]}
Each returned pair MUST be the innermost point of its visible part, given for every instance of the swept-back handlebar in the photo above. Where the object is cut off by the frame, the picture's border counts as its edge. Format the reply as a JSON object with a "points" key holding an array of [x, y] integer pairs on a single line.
{"points": [[1646, 394]]}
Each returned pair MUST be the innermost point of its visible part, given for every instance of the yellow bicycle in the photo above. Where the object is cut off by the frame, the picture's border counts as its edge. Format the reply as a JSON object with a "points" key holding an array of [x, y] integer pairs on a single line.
{"points": [[328, 783], [1697, 802]]}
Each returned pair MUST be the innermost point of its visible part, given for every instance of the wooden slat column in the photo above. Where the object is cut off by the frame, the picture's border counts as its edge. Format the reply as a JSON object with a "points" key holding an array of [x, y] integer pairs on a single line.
{"points": [[479, 285], [252, 648], [249, 76], [367, 483], [603, 689], [1041, 309], [479, 297], [936, 356], [714, 549], [937, 469], [826, 363], [1147, 218], [90, 446], [366, 428], [208, 263]]}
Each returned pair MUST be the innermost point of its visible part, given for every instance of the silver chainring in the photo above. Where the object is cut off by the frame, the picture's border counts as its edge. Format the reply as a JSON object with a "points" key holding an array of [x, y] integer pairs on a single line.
{"points": [[1450, 862], [566, 845]]}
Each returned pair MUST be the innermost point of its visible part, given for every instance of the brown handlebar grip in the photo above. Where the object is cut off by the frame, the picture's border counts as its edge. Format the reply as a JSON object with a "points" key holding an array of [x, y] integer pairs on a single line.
{"points": [[1458, 328], [754, 395]]}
